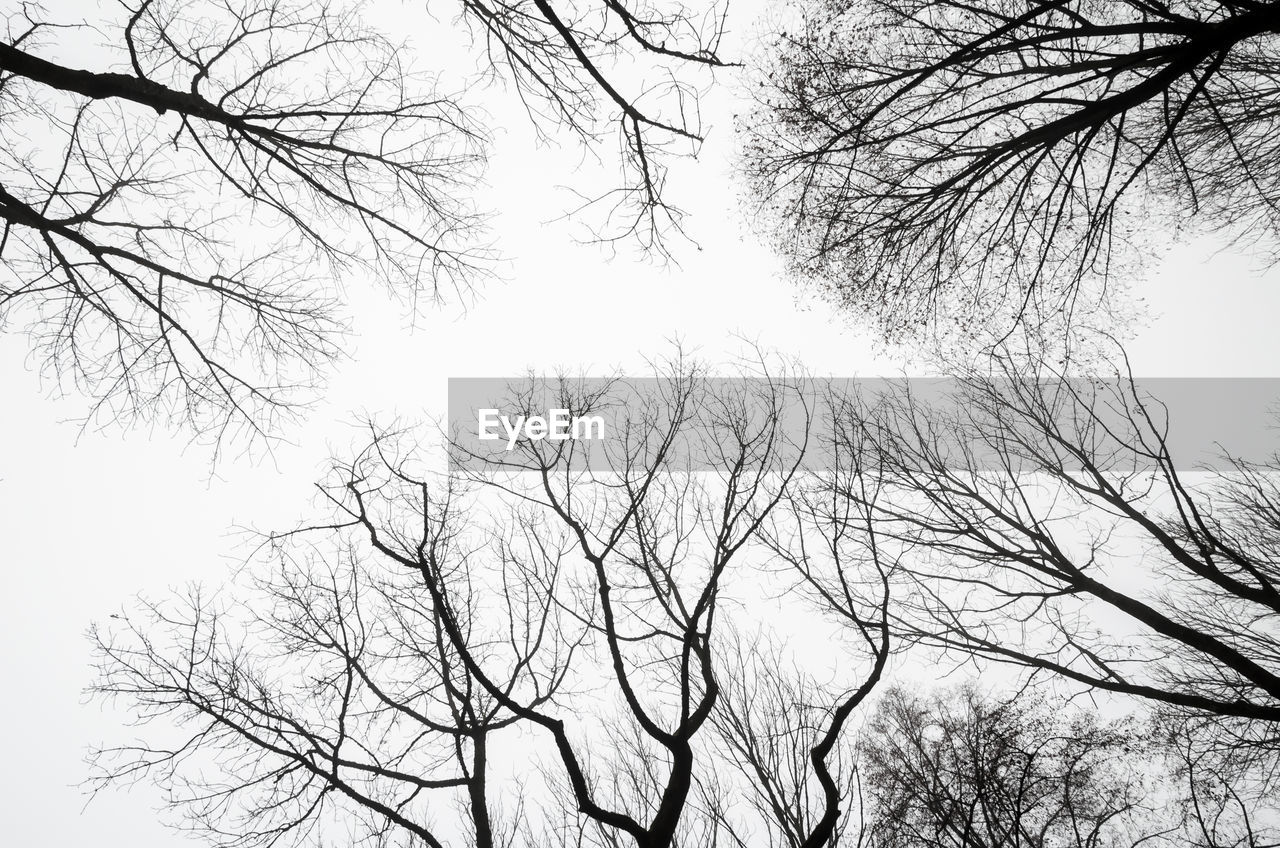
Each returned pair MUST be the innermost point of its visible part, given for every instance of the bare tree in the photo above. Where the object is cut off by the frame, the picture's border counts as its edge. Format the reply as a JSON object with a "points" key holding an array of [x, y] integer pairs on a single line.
{"points": [[167, 229], [932, 158], [173, 228], [1029, 499], [1042, 522], [523, 603], [332, 701]]}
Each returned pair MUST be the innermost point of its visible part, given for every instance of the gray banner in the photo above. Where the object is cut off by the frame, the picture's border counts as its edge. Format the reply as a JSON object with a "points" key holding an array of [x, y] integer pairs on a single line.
{"points": [[686, 423]]}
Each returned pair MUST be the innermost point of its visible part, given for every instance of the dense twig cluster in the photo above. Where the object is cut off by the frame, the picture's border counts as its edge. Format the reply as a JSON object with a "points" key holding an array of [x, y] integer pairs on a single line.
{"points": [[930, 158]]}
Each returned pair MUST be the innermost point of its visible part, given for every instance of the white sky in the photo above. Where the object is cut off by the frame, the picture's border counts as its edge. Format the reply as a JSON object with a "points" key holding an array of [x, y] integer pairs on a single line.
{"points": [[88, 520]]}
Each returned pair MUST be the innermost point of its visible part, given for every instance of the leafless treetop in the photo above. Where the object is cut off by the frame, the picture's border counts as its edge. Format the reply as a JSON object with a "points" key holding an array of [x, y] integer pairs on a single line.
{"points": [[177, 222], [930, 157]]}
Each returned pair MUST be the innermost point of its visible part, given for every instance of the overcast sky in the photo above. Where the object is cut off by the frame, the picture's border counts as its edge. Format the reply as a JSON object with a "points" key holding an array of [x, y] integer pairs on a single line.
{"points": [[91, 519]]}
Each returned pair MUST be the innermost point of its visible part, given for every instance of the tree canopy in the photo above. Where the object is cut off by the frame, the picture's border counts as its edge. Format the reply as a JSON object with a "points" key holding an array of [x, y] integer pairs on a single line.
{"points": [[694, 638], [930, 159], [178, 223]]}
